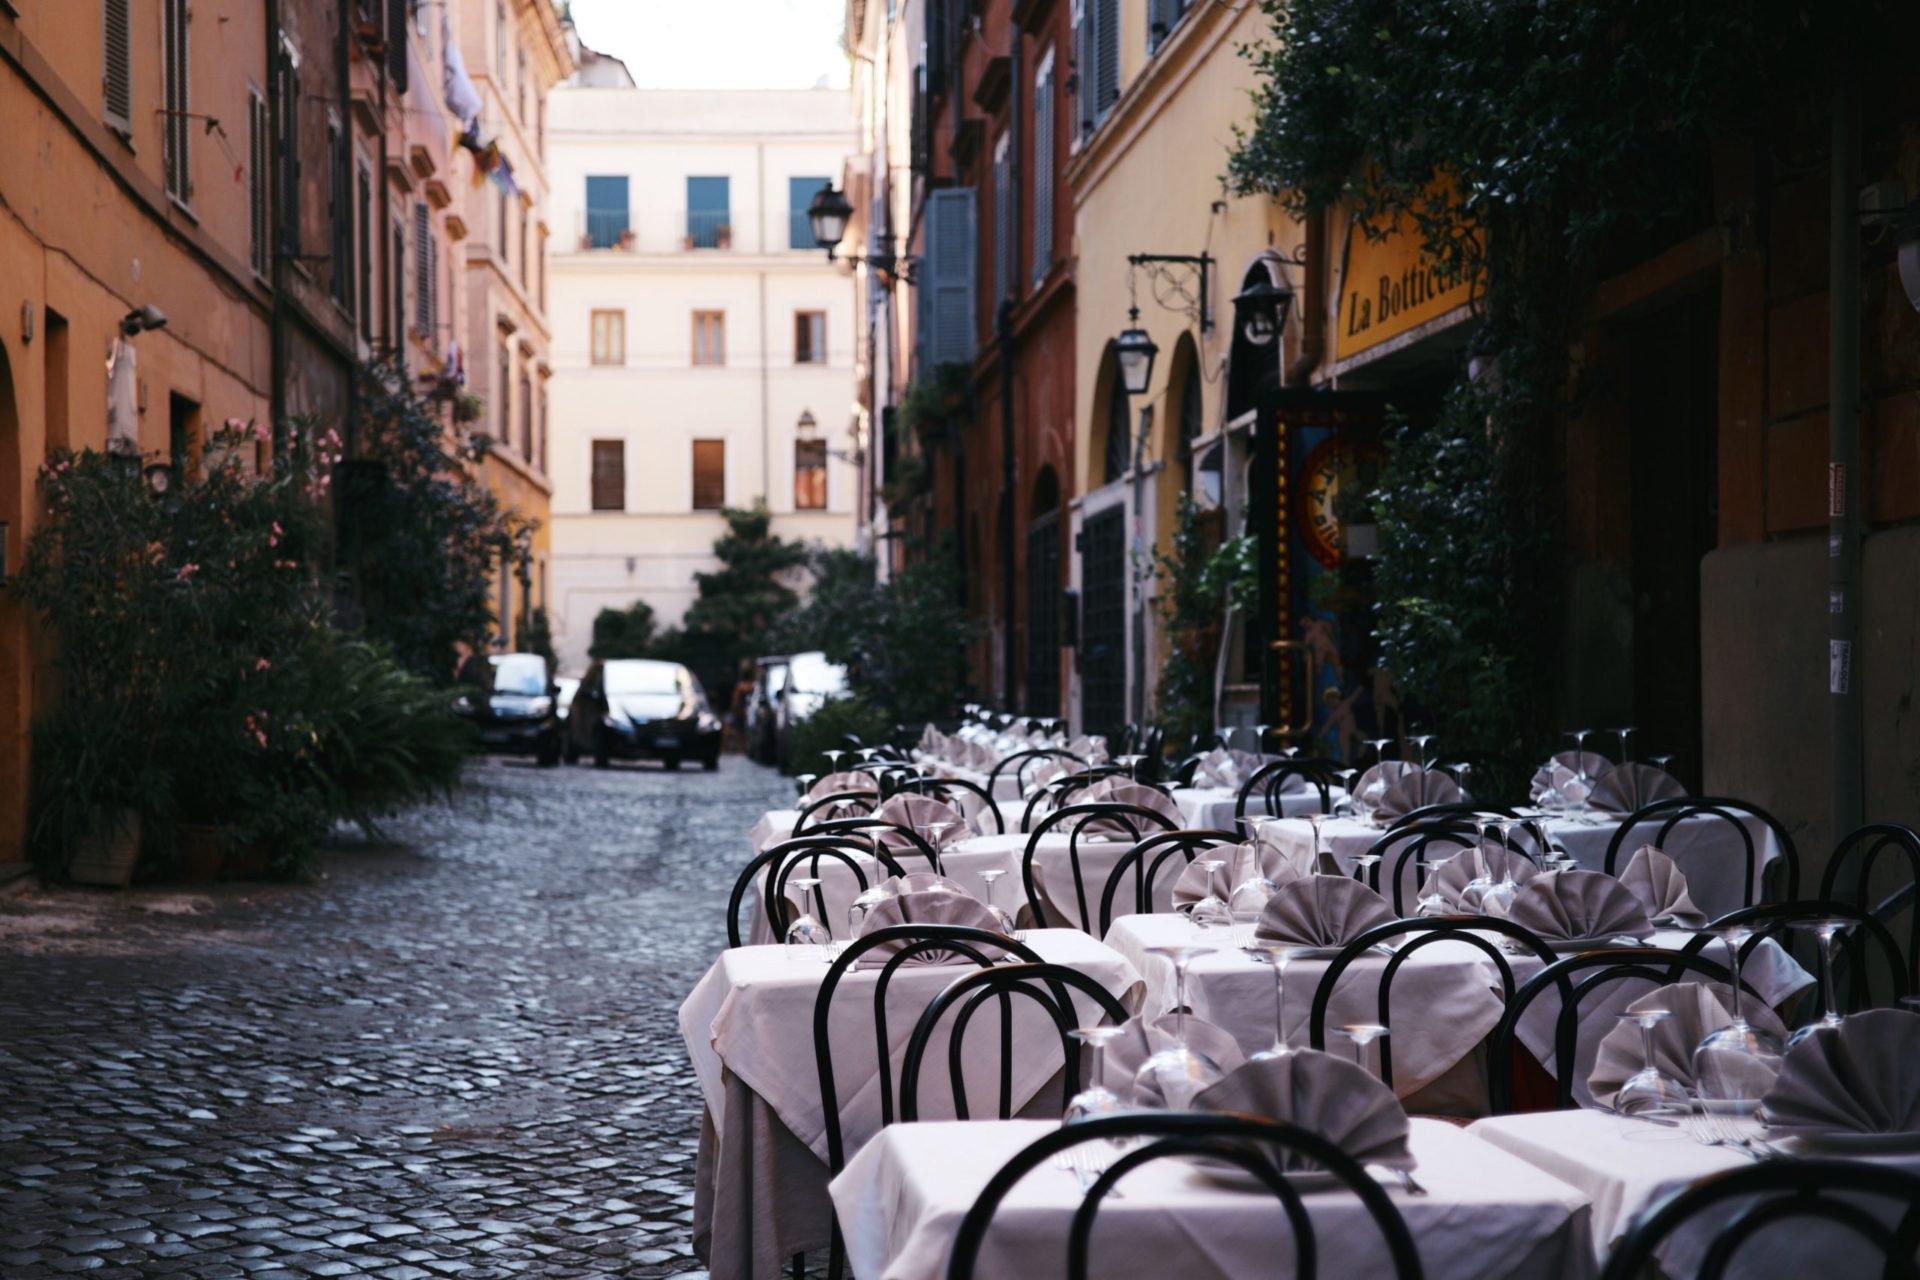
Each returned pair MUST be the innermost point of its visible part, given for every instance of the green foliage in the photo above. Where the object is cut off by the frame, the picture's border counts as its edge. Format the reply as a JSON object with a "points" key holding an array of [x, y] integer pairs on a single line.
{"points": [[424, 542], [1199, 582], [624, 633], [829, 729], [740, 602]]}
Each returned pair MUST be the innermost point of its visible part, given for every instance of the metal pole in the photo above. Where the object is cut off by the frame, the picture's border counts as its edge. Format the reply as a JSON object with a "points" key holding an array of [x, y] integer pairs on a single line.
{"points": [[1009, 568], [1844, 487]]}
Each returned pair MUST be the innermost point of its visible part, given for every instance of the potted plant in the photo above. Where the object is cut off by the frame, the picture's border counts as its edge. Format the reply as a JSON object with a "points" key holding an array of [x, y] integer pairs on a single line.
{"points": [[724, 237], [469, 406], [626, 239]]}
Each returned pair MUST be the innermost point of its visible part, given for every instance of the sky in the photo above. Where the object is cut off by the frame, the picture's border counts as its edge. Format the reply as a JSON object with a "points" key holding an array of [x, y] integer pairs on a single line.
{"points": [[719, 44]]}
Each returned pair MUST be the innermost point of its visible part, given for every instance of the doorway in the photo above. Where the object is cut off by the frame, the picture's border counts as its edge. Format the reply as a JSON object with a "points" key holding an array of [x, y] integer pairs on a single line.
{"points": [[1103, 635]]}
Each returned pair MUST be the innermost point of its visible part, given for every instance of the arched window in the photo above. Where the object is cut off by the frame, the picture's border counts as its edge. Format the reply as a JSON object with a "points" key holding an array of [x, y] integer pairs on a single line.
{"points": [[1119, 457]]}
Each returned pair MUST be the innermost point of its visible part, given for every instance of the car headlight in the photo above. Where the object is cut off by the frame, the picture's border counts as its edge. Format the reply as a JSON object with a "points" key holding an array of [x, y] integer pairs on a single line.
{"points": [[539, 706], [617, 722]]}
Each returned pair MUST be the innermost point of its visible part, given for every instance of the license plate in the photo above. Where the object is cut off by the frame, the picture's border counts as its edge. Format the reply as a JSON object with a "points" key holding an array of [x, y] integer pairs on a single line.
{"points": [[666, 740]]}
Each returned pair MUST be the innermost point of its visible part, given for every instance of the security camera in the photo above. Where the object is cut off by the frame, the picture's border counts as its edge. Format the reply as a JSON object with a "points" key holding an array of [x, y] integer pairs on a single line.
{"points": [[144, 320]]}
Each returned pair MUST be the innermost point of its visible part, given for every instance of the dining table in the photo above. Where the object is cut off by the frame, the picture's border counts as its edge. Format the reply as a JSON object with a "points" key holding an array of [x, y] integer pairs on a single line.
{"points": [[1485, 1214], [762, 1166], [1204, 807]]}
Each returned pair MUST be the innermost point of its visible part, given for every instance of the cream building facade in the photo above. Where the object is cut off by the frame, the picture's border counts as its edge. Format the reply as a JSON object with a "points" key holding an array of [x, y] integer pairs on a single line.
{"points": [[703, 346]]}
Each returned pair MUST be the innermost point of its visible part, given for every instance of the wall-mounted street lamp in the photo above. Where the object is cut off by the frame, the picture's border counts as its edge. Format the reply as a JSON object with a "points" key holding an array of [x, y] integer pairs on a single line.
{"points": [[829, 214], [147, 318], [807, 425], [1135, 350], [1261, 310]]}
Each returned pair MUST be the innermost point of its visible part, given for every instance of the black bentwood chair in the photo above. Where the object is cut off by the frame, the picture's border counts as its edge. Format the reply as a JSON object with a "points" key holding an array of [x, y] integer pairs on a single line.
{"points": [[1050, 986], [1023, 763], [1467, 929], [840, 848], [1771, 919], [1747, 1200], [955, 791], [1269, 780], [1134, 820], [1653, 823], [1656, 965], [1254, 1145], [1399, 845], [835, 803], [876, 829], [1146, 859], [1862, 849]]}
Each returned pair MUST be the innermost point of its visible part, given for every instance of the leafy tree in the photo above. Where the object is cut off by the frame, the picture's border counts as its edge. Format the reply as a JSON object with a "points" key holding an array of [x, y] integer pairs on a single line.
{"points": [[741, 602], [624, 633]]}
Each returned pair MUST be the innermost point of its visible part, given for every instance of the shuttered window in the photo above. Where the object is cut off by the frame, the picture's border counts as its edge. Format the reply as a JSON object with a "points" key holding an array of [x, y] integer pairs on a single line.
{"points": [[1006, 236], [117, 70], [947, 293], [286, 149], [709, 337], [809, 337], [1082, 68], [1106, 56], [1043, 128], [1162, 17], [526, 417], [340, 211], [609, 337], [709, 475], [176, 129], [809, 475], [364, 200], [609, 475], [397, 44], [424, 264], [259, 129]]}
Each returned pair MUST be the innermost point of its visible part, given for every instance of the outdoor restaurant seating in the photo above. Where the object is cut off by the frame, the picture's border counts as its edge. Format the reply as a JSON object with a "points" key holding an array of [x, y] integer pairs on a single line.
{"points": [[1497, 986]]}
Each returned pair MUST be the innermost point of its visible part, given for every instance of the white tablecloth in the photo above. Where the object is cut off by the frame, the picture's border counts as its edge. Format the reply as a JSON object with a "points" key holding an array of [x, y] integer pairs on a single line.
{"points": [[1204, 807], [1445, 1001], [1709, 854], [1487, 1215], [748, 1026]]}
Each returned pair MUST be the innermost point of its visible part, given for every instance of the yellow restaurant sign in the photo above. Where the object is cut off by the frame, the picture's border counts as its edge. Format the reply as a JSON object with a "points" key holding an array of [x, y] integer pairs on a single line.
{"points": [[1391, 286]]}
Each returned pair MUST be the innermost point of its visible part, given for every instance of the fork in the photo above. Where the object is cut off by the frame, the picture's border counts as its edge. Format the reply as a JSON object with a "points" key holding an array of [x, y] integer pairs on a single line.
{"points": [[1085, 1164]]}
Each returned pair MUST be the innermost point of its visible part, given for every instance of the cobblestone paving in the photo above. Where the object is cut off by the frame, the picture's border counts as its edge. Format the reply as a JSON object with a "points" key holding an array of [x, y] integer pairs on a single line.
{"points": [[454, 1056]]}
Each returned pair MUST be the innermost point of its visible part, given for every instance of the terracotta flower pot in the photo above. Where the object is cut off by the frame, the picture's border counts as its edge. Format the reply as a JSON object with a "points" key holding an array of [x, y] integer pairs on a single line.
{"points": [[201, 850], [110, 859]]}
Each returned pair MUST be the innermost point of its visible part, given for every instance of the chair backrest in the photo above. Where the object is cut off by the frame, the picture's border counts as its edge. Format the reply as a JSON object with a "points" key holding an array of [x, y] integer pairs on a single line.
{"points": [[1257, 1146], [1050, 986], [978, 947], [1864, 848], [878, 827], [1657, 965], [1059, 791], [1466, 929], [1137, 820], [950, 790], [1741, 1202], [771, 858], [865, 801], [1023, 762], [807, 852], [1662, 816], [1769, 919], [1267, 781], [1398, 845], [1146, 858]]}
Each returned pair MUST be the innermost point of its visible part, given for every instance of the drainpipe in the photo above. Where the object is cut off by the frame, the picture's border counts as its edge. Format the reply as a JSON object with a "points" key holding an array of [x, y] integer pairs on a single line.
{"points": [[277, 323], [1844, 488], [1009, 561], [766, 402], [1313, 328]]}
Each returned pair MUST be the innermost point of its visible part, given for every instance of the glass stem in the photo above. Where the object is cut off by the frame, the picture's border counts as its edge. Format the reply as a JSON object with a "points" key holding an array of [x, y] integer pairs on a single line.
{"points": [[1832, 1013], [1279, 1009], [1646, 1043], [1733, 967], [1180, 1000], [1094, 1048]]}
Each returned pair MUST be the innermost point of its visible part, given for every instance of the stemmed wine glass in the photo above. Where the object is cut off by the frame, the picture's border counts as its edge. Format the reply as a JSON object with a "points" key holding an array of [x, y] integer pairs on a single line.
{"points": [[805, 782], [1275, 956], [1348, 779], [1625, 734], [1497, 899], [1649, 1094], [1248, 902], [1579, 803], [806, 931], [1363, 869], [1006, 922], [1421, 740], [1260, 738], [833, 755], [1315, 820], [1131, 764], [1211, 910], [1462, 772], [861, 907], [1096, 1099], [1826, 931], [1736, 1065], [1362, 1034], [1178, 1071]]}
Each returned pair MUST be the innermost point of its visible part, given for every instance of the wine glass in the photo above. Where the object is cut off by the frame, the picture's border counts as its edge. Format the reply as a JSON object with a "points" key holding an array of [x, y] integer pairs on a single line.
{"points": [[805, 782], [1130, 764], [1362, 1034], [1275, 956], [1363, 869], [1260, 738], [1379, 746], [806, 931], [1178, 1071], [939, 829], [861, 907], [1316, 821], [1348, 779], [1826, 931], [1625, 734], [1210, 911], [1433, 903], [1578, 803], [1096, 1099], [833, 755], [1006, 922], [1248, 902], [1649, 1094], [1735, 1066], [1421, 740], [1461, 772], [1372, 796], [1497, 899]]}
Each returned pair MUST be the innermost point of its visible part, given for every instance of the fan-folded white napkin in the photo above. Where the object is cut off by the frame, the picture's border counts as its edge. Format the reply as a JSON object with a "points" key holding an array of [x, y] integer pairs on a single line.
{"points": [[1321, 911], [1126, 791], [1240, 862], [1339, 1100], [1697, 1009], [1579, 904], [917, 813], [1627, 787], [1416, 789], [845, 780], [1660, 885], [1862, 1076], [1544, 778], [1141, 1037], [928, 907]]}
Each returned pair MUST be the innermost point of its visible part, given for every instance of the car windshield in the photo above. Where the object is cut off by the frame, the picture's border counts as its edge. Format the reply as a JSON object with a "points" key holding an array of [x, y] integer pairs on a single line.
{"points": [[812, 673], [643, 677], [520, 673]]}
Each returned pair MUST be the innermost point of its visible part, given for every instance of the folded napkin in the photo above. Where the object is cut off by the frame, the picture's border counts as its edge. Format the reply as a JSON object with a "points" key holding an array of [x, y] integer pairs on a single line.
{"points": [[917, 813], [1579, 904], [1339, 1100], [1091, 748], [1450, 881], [845, 780], [1141, 1037], [1230, 769], [1045, 771], [1321, 911], [928, 907], [1387, 772], [1126, 791], [1661, 887], [1544, 778], [931, 739], [1416, 789], [1626, 787], [1862, 1076], [1242, 862], [1698, 1010]]}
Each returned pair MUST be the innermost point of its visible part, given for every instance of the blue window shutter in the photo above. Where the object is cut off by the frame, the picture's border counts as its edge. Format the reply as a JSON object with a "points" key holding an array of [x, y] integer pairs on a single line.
{"points": [[952, 255], [1083, 67], [1043, 177], [709, 208], [1106, 56], [607, 214]]}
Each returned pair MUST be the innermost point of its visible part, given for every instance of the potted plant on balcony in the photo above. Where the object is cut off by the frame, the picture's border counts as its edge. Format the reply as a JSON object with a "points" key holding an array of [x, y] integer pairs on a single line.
{"points": [[723, 236], [626, 239], [469, 406]]}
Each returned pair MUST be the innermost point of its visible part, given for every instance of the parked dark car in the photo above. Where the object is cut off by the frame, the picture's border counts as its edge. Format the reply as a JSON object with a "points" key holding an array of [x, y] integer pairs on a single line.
{"points": [[516, 711], [786, 690], [640, 709]]}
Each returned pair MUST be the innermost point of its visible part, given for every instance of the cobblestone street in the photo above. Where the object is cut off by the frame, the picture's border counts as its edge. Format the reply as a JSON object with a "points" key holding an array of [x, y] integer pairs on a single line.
{"points": [[456, 1054]]}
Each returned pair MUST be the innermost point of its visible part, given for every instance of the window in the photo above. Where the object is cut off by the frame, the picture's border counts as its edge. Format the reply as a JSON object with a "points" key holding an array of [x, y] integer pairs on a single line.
{"points": [[339, 212], [1043, 130], [948, 296], [800, 194], [259, 254], [1162, 17], [397, 44], [1119, 455], [397, 275], [1005, 234], [175, 128], [609, 337], [709, 337], [504, 226], [426, 274], [503, 392], [809, 337], [709, 213], [365, 195], [542, 446], [709, 475], [286, 151], [117, 71], [1096, 59], [520, 82], [500, 44], [525, 219], [809, 475], [526, 416], [606, 211], [609, 475]]}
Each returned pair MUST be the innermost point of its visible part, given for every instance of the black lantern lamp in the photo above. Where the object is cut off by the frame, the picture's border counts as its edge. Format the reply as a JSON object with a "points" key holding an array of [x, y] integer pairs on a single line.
{"points": [[1261, 310], [829, 214], [1135, 350]]}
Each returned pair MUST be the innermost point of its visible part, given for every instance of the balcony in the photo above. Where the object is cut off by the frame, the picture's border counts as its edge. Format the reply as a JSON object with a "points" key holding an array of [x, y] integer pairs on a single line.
{"points": [[709, 229], [606, 229]]}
